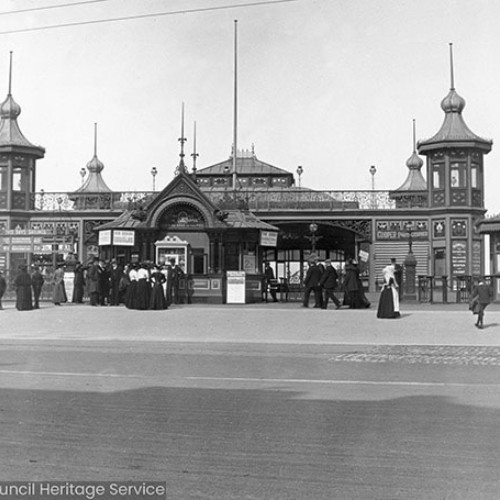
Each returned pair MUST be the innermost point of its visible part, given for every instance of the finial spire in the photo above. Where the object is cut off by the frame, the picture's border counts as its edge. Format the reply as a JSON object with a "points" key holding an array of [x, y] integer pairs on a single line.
{"points": [[95, 138], [194, 154], [452, 78], [10, 74], [235, 117], [414, 137], [182, 140]]}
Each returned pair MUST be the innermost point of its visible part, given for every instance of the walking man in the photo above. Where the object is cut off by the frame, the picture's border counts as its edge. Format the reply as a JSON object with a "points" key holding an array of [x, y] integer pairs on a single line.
{"points": [[329, 283], [484, 295], [311, 282]]}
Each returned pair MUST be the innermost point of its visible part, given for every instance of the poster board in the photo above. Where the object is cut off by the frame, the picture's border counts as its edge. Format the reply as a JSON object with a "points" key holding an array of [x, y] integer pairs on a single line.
{"points": [[235, 287]]}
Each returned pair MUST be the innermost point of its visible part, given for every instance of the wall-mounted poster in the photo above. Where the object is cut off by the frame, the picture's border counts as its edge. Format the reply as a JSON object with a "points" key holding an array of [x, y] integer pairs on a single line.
{"points": [[459, 258], [476, 258], [439, 228]]}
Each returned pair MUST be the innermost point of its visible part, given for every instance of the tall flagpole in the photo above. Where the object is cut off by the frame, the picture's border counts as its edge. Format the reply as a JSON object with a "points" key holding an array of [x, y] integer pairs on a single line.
{"points": [[235, 116], [451, 68], [10, 73]]}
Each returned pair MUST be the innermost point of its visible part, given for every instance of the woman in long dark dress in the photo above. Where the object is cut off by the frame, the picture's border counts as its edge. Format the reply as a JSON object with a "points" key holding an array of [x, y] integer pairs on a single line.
{"points": [[158, 299], [143, 293], [131, 295], [78, 284], [388, 304], [354, 296], [22, 282]]}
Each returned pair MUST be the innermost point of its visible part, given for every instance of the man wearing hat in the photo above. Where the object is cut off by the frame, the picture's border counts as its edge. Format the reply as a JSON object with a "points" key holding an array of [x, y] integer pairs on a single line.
{"points": [[482, 295], [312, 282], [329, 283], [115, 276]]}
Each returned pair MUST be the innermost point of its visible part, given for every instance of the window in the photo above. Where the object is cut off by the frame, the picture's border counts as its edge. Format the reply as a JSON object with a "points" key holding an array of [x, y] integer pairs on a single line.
{"points": [[3, 178], [16, 180], [457, 175], [199, 258], [438, 176], [474, 177], [20, 180]]}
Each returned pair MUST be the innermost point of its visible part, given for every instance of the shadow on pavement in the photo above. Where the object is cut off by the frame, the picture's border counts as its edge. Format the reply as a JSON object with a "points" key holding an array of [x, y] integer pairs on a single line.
{"points": [[260, 444]]}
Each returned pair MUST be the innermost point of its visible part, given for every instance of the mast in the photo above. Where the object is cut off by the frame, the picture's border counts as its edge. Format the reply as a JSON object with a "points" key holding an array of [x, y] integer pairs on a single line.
{"points": [[414, 137], [10, 73], [182, 140], [235, 110], [452, 78], [194, 154]]}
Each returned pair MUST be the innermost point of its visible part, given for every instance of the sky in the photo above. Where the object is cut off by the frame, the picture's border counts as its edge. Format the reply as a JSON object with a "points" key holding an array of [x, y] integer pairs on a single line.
{"points": [[331, 85]]}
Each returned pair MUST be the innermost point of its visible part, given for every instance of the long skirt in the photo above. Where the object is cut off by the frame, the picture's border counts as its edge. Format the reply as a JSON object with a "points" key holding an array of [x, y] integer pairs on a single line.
{"points": [[158, 300], [24, 298], [60, 293], [143, 294], [356, 299], [388, 305], [131, 296]]}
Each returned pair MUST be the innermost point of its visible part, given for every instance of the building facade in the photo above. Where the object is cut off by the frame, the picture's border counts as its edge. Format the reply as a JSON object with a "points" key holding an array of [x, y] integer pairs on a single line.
{"points": [[241, 213]]}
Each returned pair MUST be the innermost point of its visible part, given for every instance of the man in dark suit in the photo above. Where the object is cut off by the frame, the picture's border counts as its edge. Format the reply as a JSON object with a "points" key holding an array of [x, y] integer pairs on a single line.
{"points": [[37, 284], [115, 276], [93, 273], [104, 272], [483, 295], [312, 282], [329, 283]]}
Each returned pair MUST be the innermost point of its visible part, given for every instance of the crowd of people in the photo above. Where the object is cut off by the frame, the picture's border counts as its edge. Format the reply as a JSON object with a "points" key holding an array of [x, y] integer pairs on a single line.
{"points": [[322, 280], [151, 286], [140, 286]]}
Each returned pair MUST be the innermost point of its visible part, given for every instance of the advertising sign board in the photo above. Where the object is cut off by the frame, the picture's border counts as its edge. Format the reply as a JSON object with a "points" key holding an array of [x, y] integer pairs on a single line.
{"points": [[235, 287]]}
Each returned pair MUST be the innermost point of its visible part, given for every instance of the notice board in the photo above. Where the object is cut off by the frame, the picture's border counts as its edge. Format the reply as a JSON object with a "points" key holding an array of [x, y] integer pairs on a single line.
{"points": [[235, 287]]}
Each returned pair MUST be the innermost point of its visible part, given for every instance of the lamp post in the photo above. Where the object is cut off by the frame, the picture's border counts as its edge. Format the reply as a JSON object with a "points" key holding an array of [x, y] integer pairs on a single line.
{"points": [[83, 173], [373, 171], [300, 171], [313, 228], [153, 173]]}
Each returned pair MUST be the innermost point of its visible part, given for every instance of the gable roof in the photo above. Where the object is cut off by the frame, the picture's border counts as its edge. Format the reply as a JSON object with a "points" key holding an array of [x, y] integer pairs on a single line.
{"points": [[245, 165]]}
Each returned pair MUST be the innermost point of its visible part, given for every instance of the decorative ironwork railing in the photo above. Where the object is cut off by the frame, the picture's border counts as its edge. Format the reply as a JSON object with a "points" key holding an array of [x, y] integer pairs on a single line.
{"points": [[278, 199], [281, 199]]}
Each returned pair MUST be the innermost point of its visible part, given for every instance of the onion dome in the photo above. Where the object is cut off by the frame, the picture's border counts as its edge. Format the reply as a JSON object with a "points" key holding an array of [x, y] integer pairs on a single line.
{"points": [[10, 109], [453, 103], [414, 162], [95, 165]]}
